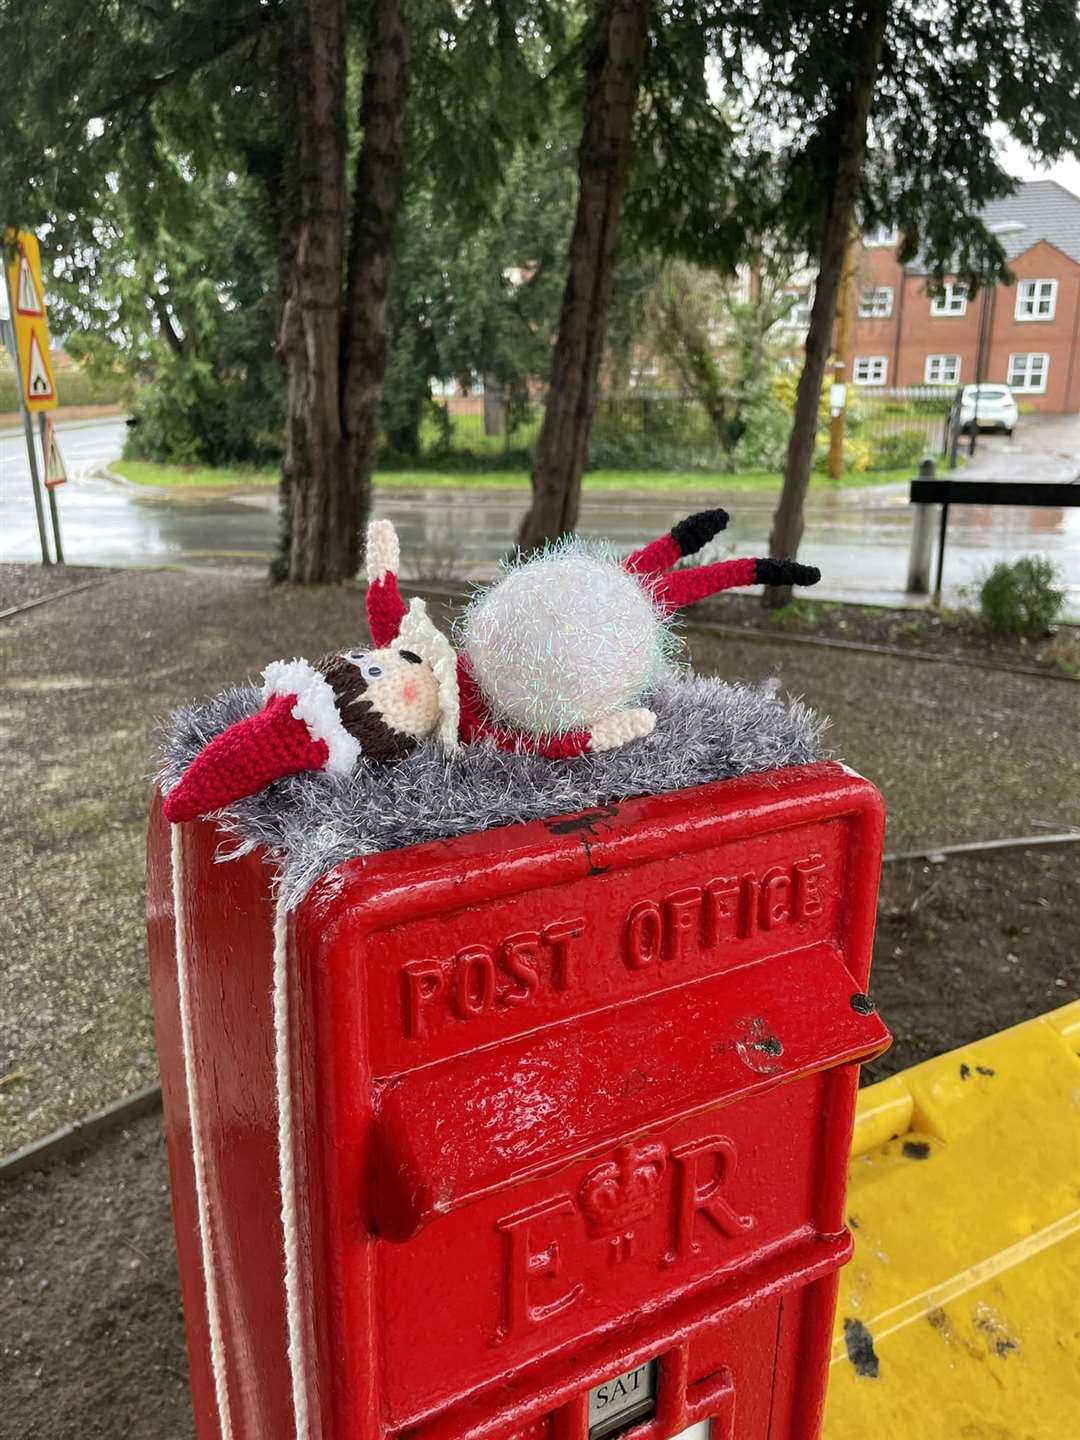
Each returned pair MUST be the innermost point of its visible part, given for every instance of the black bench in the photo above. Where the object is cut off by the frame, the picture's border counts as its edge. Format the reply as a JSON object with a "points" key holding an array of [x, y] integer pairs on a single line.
{"points": [[1057, 495]]}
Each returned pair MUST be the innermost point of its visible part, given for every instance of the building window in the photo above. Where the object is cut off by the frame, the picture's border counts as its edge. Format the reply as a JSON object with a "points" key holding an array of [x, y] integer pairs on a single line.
{"points": [[875, 303], [942, 369], [1028, 372], [1036, 299], [952, 301], [870, 369], [797, 315], [881, 235]]}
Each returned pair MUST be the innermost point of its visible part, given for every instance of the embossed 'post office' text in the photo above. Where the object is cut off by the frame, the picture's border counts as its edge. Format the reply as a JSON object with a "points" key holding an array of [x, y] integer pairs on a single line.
{"points": [[530, 967], [479, 979]]}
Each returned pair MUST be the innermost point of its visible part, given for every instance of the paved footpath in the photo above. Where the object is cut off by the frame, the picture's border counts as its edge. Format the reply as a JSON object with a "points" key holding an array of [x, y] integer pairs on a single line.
{"points": [[1042, 448]]}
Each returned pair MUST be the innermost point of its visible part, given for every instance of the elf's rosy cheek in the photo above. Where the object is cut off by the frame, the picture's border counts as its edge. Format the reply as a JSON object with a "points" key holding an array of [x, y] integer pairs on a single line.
{"points": [[410, 692]]}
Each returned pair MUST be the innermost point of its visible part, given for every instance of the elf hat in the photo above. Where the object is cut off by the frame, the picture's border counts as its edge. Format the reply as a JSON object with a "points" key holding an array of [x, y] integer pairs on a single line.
{"points": [[392, 625], [419, 633], [298, 728]]}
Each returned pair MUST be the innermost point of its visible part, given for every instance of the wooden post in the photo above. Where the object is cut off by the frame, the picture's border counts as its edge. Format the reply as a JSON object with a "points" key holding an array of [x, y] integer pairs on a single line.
{"points": [[842, 362]]}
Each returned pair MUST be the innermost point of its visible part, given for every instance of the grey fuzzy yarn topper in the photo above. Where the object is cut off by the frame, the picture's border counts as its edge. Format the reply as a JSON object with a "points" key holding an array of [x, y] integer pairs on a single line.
{"points": [[706, 729]]}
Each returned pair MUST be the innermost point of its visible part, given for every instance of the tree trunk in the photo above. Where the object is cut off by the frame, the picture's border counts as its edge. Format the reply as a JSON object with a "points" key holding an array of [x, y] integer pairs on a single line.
{"points": [[494, 407], [310, 334], [376, 198], [612, 81], [839, 218]]}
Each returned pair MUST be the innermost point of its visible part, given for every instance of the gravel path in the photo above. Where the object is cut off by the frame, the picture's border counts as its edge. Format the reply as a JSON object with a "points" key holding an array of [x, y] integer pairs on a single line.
{"points": [[960, 754], [23, 584], [91, 1330]]}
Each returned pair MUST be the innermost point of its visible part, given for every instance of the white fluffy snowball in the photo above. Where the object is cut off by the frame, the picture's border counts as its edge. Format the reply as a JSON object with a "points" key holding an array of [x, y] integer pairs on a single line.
{"points": [[564, 639]]}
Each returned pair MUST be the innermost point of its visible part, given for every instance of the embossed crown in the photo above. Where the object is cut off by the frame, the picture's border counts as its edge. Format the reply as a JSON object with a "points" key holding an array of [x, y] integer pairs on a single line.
{"points": [[625, 1189]]}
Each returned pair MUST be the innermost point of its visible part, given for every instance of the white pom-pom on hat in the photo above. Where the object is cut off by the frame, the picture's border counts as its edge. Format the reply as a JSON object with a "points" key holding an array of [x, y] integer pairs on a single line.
{"points": [[383, 553]]}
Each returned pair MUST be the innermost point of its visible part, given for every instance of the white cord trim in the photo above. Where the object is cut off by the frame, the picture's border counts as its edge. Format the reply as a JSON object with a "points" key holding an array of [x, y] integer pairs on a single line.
{"points": [[294, 1308], [316, 707], [218, 1360]]}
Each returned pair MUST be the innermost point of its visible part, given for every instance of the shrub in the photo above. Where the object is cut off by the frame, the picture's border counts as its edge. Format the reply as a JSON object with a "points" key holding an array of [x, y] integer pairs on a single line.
{"points": [[1021, 597], [764, 444], [857, 454], [190, 416], [893, 451]]}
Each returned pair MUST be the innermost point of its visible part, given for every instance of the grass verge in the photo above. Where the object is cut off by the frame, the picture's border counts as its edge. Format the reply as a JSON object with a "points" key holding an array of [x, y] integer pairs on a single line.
{"points": [[191, 477]]}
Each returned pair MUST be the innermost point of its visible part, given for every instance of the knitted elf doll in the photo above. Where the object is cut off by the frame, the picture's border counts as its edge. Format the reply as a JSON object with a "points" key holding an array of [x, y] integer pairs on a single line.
{"points": [[555, 657]]}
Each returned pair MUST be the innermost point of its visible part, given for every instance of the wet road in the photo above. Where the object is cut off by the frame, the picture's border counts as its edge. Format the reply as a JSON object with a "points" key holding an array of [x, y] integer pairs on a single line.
{"points": [[859, 539]]}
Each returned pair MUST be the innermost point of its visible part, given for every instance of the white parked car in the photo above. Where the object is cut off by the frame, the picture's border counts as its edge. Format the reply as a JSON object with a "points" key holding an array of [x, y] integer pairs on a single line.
{"points": [[996, 409]]}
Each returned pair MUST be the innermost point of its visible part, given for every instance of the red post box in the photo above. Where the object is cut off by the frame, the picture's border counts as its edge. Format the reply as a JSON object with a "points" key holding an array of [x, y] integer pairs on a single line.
{"points": [[567, 1111]]}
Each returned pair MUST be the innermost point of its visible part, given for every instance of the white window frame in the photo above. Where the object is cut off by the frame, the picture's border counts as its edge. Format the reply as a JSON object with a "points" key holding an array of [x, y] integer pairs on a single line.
{"points": [[1030, 296], [938, 362], [872, 305], [882, 237], [1024, 385], [953, 302], [875, 370]]}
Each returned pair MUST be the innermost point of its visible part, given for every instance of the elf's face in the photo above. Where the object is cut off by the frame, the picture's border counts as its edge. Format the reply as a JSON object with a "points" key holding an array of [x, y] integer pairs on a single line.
{"points": [[388, 699]]}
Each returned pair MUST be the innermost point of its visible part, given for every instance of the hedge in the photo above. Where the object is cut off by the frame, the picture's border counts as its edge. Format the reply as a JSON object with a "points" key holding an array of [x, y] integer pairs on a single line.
{"points": [[74, 387]]}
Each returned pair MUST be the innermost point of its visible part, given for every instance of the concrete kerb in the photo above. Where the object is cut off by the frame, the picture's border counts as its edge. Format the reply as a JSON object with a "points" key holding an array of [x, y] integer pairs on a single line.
{"points": [[55, 595], [81, 1134]]}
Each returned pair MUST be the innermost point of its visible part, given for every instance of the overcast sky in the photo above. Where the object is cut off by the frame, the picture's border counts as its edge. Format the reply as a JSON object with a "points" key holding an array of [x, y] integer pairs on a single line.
{"points": [[1065, 172]]}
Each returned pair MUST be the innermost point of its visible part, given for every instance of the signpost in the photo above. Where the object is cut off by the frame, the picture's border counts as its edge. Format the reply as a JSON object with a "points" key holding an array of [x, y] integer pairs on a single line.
{"points": [[26, 333]]}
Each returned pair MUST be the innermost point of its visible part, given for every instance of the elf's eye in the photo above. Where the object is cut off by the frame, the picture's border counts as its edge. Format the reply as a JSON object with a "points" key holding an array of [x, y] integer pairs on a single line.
{"points": [[412, 659], [369, 668]]}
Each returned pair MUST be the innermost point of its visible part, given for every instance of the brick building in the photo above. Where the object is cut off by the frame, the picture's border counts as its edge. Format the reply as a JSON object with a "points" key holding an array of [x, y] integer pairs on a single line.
{"points": [[1027, 333]]}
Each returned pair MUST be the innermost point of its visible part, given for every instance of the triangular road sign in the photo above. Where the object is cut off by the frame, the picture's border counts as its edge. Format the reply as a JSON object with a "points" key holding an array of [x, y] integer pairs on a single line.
{"points": [[27, 299], [55, 469], [39, 385]]}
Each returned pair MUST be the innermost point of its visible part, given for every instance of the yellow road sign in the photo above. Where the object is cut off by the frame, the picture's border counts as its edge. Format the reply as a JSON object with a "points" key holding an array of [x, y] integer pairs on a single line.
{"points": [[30, 320]]}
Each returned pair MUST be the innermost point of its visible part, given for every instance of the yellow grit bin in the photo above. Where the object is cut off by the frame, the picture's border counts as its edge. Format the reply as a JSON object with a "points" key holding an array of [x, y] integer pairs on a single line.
{"points": [[959, 1316]]}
